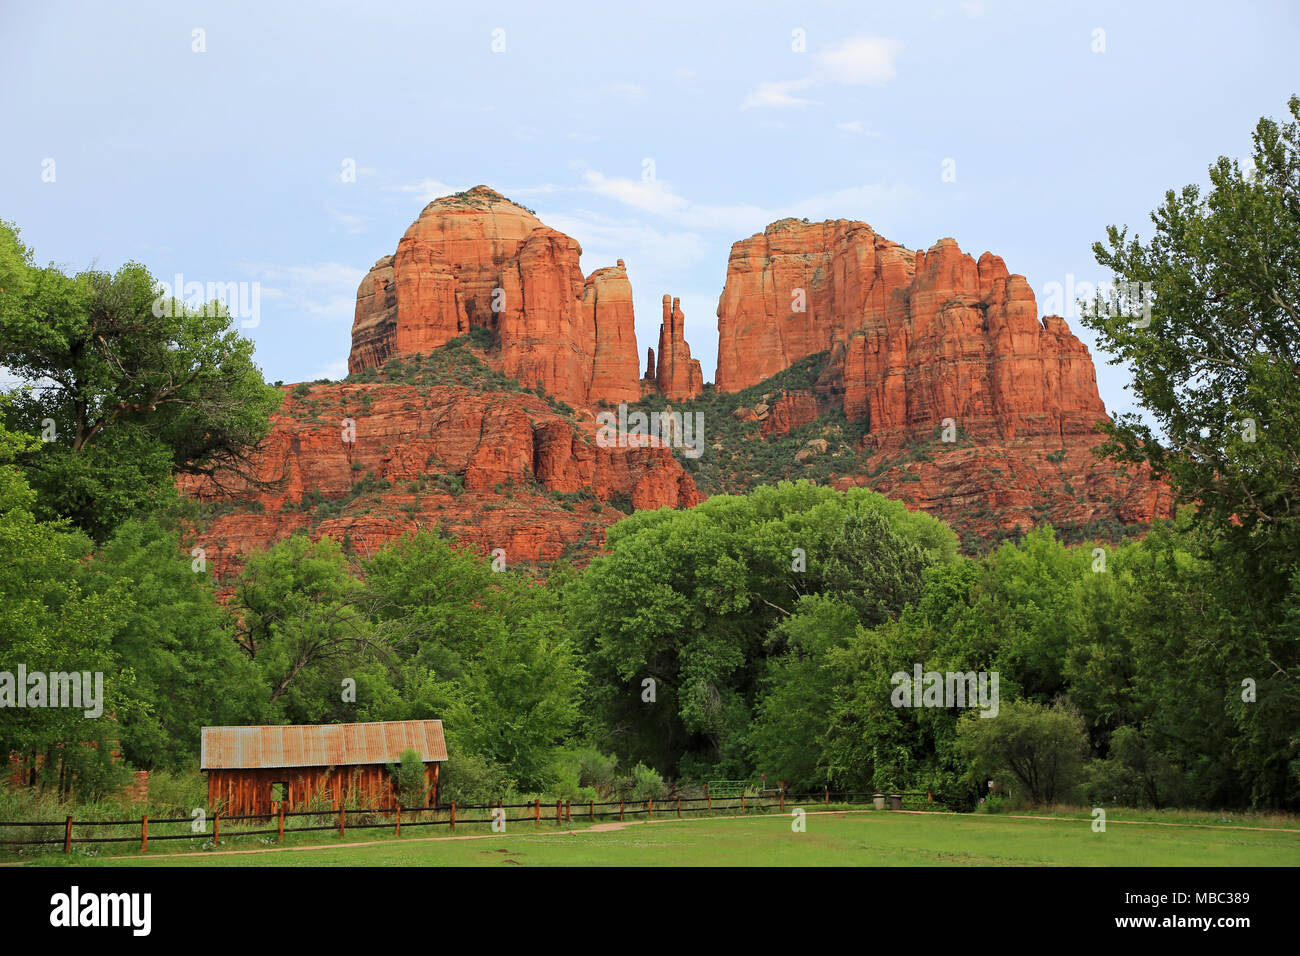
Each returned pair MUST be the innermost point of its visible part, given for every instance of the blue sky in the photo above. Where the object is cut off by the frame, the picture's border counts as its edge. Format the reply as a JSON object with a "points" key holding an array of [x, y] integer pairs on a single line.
{"points": [[227, 164]]}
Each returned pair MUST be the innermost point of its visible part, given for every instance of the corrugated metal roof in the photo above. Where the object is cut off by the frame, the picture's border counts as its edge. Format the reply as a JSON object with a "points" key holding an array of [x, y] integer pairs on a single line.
{"points": [[320, 745]]}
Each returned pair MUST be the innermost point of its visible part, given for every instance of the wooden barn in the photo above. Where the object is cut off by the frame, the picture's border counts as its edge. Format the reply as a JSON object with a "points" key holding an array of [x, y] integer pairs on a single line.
{"points": [[254, 769]]}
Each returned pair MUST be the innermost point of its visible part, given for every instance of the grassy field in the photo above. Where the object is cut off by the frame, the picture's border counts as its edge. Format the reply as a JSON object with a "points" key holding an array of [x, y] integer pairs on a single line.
{"points": [[831, 839]]}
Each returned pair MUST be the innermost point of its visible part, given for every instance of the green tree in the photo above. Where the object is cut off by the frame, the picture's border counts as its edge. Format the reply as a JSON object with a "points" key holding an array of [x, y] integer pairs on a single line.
{"points": [[302, 618], [1218, 366], [50, 622], [137, 390], [178, 642], [1040, 750]]}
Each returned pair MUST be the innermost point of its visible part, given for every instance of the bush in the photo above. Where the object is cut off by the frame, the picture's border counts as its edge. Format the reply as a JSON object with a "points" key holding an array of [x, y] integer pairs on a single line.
{"points": [[470, 778], [1036, 750], [408, 779], [645, 784]]}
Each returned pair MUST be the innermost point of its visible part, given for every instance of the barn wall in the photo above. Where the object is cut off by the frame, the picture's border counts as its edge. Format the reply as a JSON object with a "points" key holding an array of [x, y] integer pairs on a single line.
{"points": [[249, 791]]}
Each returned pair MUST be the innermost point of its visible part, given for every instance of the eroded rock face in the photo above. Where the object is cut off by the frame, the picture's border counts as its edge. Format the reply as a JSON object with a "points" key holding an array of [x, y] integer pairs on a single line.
{"points": [[477, 260], [507, 452], [678, 376], [921, 345], [607, 302], [794, 289], [914, 337], [792, 410]]}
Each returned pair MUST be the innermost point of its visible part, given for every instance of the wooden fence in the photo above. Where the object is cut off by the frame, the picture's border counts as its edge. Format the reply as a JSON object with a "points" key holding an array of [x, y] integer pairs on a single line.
{"points": [[563, 811]]}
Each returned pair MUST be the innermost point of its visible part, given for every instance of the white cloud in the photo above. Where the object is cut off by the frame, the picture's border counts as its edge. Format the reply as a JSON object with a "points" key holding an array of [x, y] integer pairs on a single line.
{"points": [[855, 61], [630, 90], [857, 128], [778, 94], [859, 61], [657, 197]]}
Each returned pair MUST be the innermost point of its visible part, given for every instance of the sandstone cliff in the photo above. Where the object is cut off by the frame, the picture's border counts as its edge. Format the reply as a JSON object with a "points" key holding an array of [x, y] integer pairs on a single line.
{"points": [[928, 376], [495, 469], [477, 260]]}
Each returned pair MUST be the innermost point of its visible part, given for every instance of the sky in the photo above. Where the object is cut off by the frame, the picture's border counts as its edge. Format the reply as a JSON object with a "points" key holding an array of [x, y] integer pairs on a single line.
{"points": [[290, 146]]}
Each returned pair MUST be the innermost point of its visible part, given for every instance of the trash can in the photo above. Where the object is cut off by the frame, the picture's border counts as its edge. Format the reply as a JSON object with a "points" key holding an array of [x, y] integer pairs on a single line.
{"points": [[895, 801], [879, 800]]}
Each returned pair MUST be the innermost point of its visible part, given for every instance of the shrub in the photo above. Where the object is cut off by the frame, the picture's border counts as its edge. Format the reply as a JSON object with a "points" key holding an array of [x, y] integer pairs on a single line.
{"points": [[408, 779]]}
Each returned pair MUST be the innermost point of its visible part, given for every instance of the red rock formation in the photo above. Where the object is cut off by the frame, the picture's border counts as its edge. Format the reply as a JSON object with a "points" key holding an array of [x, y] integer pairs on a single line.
{"points": [[793, 289], [508, 451], [914, 338], [607, 301], [678, 376], [478, 260], [792, 410]]}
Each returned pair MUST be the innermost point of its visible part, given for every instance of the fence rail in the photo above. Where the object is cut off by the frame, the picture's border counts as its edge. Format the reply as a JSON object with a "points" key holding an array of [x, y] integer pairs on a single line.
{"points": [[365, 819]]}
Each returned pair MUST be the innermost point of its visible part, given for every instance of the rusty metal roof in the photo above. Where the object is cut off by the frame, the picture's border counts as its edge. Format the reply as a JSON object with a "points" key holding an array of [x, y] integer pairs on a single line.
{"points": [[320, 745]]}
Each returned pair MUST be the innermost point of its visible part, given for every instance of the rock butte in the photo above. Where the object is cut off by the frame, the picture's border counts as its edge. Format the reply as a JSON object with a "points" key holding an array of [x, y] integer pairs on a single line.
{"points": [[913, 338]]}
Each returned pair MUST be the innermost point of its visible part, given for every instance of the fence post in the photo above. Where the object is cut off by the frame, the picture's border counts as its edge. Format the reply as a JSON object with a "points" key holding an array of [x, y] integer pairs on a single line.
{"points": [[558, 811], [709, 797], [568, 811], [537, 812], [679, 805], [281, 815], [783, 799], [742, 802], [620, 808], [453, 816], [144, 833], [216, 830], [593, 810], [342, 816], [929, 797], [828, 796], [650, 808], [67, 837], [399, 820]]}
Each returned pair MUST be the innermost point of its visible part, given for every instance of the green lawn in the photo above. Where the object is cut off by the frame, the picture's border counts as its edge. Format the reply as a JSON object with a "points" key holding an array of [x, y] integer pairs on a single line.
{"points": [[831, 839]]}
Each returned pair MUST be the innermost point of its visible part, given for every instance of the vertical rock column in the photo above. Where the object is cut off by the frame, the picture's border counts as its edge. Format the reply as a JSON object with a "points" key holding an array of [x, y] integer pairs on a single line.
{"points": [[679, 376]]}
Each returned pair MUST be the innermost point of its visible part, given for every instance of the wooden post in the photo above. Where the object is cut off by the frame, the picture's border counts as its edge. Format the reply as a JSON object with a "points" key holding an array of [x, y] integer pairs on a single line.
{"points": [[342, 818], [679, 805], [929, 797], [281, 816], [620, 808], [650, 808], [216, 830], [783, 799], [144, 833], [709, 797], [828, 796], [537, 812], [559, 811], [453, 816], [568, 811], [67, 836], [742, 801], [592, 810], [399, 820]]}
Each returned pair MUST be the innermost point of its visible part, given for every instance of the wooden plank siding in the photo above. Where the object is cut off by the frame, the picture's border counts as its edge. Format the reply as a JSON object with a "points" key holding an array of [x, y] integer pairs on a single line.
{"points": [[243, 791]]}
